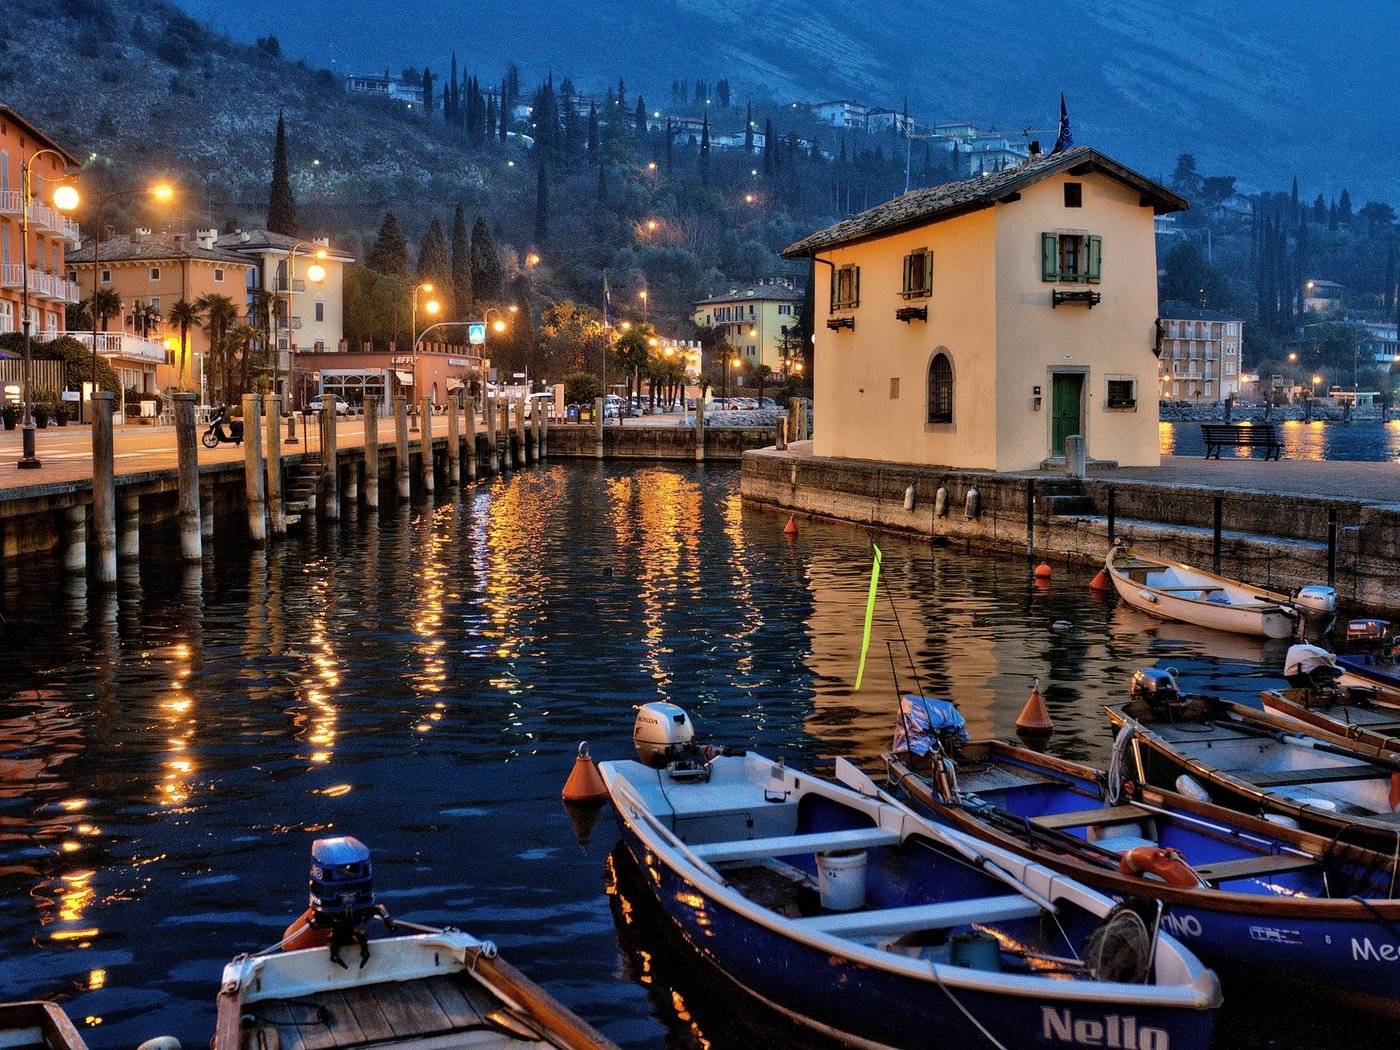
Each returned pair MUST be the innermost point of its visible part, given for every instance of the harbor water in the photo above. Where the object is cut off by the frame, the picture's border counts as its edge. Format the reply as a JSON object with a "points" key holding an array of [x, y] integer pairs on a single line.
{"points": [[1365, 440], [421, 678]]}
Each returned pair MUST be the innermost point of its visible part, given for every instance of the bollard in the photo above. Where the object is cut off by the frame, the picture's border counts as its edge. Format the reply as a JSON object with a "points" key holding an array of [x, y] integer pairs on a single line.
{"points": [[522, 450], [254, 475], [372, 452], [454, 439], [187, 485], [1076, 457], [129, 527], [72, 538], [104, 488], [598, 427], [206, 508], [401, 445], [292, 428], [471, 439], [426, 461], [330, 464], [699, 431], [804, 428], [780, 436], [276, 502], [794, 429]]}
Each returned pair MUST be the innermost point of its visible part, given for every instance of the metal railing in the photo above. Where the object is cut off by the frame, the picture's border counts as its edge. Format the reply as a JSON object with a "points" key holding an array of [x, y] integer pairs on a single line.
{"points": [[117, 344], [44, 285], [41, 217]]}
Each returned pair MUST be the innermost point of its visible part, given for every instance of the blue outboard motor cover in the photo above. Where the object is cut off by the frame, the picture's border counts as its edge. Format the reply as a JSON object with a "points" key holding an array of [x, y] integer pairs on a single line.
{"points": [[924, 720], [342, 880]]}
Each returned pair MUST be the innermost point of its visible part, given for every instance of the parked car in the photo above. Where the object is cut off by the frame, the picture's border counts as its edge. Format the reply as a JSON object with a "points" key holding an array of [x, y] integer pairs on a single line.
{"points": [[768, 402], [318, 403]]}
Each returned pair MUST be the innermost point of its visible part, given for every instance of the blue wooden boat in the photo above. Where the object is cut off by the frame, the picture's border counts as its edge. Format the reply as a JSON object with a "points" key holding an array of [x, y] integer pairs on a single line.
{"points": [[1251, 897], [861, 919]]}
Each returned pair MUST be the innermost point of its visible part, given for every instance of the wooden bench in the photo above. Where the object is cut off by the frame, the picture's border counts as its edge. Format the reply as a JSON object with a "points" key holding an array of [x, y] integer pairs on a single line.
{"points": [[1271, 778], [1242, 435], [790, 845], [1267, 864], [1102, 817], [943, 916]]}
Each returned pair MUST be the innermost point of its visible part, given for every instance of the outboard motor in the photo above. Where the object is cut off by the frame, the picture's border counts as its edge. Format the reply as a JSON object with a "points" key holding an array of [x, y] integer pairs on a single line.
{"points": [[1312, 667], [1157, 689], [1370, 635], [1317, 609], [341, 901], [665, 739]]}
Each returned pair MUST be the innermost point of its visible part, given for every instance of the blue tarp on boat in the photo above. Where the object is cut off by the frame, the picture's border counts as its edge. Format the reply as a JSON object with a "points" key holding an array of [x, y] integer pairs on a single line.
{"points": [[925, 719]]}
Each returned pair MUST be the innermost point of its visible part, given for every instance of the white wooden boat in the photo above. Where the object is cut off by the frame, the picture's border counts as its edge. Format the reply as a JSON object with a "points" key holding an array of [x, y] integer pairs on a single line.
{"points": [[37, 1026], [430, 990], [1173, 591]]}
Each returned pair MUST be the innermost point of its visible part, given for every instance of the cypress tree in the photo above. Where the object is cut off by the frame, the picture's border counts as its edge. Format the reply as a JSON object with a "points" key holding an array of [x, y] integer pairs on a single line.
{"points": [[1319, 210], [281, 205], [1344, 207], [450, 98], [486, 264], [505, 111], [748, 134], [389, 255], [428, 102], [670, 152], [705, 150], [491, 116], [641, 118], [602, 184], [435, 267], [461, 263], [593, 130], [541, 204], [768, 146]]}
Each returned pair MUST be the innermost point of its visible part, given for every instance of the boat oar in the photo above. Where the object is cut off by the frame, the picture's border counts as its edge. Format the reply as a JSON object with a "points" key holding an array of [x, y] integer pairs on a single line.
{"points": [[852, 777], [1313, 744]]}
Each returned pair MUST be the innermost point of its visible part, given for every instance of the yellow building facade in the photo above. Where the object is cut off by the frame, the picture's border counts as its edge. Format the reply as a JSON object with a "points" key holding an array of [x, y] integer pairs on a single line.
{"points": [[980, 323], [755, 318]]}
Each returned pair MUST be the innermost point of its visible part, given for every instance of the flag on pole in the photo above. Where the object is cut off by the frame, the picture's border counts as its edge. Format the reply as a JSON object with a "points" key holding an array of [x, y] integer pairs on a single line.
{"points": [[869, 613], [1065, 141], [607, 302]]}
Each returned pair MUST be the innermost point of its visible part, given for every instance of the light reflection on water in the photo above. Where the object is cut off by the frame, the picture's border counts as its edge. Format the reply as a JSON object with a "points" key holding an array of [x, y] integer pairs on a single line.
{"points": [[421, 678], [1371, 441]]}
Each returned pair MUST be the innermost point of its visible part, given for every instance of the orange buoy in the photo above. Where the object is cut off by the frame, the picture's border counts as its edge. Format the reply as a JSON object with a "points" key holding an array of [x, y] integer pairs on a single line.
{"points": [[301, 934], [1167, 864], [1034, 717], [790, 529], [1101, 582], [585, 817], [584, 783], [1042, 571]]}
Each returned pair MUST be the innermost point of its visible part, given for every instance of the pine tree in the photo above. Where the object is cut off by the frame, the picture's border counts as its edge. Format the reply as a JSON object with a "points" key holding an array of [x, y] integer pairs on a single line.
{"points": [[281, 205], [461, 264], [486, 264], [541, 204], [389, 255], [434, 266]]}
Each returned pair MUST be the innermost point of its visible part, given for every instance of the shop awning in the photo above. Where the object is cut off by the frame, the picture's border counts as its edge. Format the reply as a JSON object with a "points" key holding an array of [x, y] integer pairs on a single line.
{"points": [[405, 378]]}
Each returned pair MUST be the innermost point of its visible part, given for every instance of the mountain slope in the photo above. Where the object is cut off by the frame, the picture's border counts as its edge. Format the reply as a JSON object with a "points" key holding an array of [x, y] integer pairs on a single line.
{"points": [[1257, 88]]}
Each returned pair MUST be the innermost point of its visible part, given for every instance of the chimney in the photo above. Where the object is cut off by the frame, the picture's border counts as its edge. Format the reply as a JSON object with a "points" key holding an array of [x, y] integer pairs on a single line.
{"points": [[141, 234], [206, 238], [243, 236], [1034, 157]]}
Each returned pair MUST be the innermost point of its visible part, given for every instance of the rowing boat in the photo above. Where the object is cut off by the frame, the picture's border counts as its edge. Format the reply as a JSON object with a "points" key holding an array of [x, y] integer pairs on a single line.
{"points": [[1350, 713], [857, 917], [1172, 591], [37, 1026]]}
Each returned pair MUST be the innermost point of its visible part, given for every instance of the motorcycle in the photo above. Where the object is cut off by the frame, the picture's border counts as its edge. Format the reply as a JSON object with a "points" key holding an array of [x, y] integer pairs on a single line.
{"points": [[217, 435]]}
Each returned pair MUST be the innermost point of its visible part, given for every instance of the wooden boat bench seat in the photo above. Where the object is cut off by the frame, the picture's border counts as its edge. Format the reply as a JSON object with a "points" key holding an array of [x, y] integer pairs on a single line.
{"points": [[1267, 864], [1104, 816], [1202, 588], [942, 916], [787, 845], [1270, 778]]}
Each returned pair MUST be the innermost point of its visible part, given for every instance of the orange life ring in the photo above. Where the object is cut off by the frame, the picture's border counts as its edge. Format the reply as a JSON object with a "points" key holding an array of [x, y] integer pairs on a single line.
{"points": [[1167, 864], [301, 934]]}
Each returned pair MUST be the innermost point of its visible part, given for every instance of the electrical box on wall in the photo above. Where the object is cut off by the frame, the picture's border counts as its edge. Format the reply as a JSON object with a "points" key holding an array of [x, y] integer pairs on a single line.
{"points": [[1035, 398]]}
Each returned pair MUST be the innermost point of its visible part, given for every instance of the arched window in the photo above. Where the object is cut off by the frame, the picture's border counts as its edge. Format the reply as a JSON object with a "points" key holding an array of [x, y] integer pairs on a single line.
{"points": [[940, 388]]}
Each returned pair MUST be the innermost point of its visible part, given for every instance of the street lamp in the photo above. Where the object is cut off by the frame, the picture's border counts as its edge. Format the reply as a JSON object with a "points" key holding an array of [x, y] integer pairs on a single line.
{"points": [[161, 192], [65, 198], [431, 308], [643, 296], [315, 273], [1315, 380]]}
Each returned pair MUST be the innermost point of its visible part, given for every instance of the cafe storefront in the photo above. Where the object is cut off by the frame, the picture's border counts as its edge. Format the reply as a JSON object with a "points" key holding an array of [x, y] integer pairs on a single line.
{"points": [[437, 371]]}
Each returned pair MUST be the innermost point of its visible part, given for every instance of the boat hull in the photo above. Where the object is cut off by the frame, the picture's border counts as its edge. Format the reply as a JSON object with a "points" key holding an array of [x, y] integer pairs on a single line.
{"points": [[842, 996], [1334, 945], [1249, 610]]}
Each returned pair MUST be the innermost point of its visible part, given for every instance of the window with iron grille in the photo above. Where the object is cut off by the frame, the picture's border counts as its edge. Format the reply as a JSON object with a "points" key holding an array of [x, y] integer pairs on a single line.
{"points": [[1122, 392], [940, 389]]}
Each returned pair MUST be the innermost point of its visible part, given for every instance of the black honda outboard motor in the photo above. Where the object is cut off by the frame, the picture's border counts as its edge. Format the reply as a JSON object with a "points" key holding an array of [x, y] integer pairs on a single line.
{"points": [[1158, 690], [342, 894]]}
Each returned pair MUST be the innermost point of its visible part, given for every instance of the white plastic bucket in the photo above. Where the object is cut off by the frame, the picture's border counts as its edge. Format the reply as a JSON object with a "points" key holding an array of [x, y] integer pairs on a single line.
{"points": [[841, 879]]}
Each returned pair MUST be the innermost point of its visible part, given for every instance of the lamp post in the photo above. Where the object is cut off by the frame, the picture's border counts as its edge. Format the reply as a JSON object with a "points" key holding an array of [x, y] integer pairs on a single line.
{"points": [[431, 307], [643, 295], [161, 192], [64, 201], [316, 273]]}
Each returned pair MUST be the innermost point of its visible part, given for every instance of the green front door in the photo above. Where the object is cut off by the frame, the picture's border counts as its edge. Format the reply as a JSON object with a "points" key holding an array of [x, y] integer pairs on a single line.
{"points": [[1066, 392]]}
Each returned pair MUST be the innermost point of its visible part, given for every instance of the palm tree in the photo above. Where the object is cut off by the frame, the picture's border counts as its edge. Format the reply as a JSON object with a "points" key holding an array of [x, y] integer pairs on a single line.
{"points": [[761, 375], [242, 341], [184, 315], [220, 314], [104, 305], [262, 305]]}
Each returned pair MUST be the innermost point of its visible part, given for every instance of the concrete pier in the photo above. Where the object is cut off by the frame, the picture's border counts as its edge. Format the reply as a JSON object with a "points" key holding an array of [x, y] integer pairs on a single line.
{"points": [[426, 463], [330, 465], [401, 446], [104, 489], [454, 440], [187, 480], [276, 500], [372, 452], [254, 470]]}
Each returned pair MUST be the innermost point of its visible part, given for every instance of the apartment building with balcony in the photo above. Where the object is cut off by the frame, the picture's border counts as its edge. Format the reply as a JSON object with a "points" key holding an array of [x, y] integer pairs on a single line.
{"points": [[755, 318], [1200, 352], [51, 232], [151, 273]]}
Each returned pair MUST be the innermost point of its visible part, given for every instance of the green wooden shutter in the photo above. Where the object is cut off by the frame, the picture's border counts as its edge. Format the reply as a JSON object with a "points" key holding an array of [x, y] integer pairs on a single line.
{"points": [[908, 275], [855, 285], [1049, 256], [928, 272], [1095, 258], [835, 274]]}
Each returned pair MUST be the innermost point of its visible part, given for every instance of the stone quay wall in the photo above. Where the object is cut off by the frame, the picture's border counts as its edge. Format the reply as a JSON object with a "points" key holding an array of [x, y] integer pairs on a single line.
{"points": [[722, 444]]}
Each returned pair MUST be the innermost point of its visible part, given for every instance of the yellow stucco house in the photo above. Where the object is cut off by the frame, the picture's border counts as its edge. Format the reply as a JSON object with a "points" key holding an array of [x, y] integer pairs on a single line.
{"points": [[756, 319], [980, 323]]}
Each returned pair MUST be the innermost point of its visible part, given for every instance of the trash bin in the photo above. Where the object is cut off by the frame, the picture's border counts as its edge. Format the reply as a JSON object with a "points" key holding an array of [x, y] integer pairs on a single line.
{"points": [[572, 414]]}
